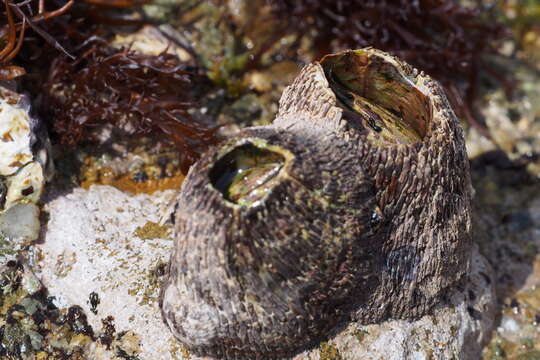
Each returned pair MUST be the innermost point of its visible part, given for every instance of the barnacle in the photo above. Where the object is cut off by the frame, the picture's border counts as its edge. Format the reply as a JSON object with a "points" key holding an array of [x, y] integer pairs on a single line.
{"points": [[354, 203], [448, 40]]}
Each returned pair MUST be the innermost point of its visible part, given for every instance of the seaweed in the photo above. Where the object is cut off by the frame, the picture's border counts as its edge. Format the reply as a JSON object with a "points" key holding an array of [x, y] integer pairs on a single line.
{"points": [[14, 33], [93, 84], [117, 3], [447, 40], [138, 94]]}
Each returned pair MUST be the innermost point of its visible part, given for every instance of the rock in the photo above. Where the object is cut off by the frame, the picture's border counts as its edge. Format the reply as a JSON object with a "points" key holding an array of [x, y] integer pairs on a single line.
{"points": [[514, 125], [508, 233], [18, 227], [23, 158], [104, 251], [150, 40]]}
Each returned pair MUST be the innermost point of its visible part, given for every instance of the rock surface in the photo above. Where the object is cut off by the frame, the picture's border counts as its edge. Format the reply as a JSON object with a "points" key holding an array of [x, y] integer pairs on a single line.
{"points": [[21, 175], [106, 242], [103, 250]]}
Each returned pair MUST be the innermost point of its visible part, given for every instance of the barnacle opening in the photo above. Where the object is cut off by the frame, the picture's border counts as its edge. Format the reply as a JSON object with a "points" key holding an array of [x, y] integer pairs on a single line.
{"points": [[372, 91], [247, 173]]}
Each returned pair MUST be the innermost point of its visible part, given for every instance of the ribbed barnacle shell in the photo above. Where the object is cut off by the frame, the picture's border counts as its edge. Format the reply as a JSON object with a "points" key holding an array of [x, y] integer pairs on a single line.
{"points": [[355, 203]]}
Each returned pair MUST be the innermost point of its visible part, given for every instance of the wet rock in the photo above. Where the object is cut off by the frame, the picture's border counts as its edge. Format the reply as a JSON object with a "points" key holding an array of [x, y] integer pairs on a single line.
{"points": [[150, 40], [514, 125], [509, 234]]}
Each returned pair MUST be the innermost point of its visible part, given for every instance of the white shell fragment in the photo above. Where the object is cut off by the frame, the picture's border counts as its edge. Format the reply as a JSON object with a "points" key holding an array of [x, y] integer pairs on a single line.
{"points": [[15, 149], [25, 186], [21, 174]]}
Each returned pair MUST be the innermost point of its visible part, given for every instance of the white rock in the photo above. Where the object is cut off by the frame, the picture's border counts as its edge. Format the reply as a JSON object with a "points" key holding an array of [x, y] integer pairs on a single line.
{"points": [[508, 325], [90, 246], [21, 175]]}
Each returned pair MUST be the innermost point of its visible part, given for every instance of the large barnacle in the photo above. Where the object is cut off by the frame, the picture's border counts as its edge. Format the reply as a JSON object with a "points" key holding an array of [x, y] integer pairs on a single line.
{"points": [[354, 203]]}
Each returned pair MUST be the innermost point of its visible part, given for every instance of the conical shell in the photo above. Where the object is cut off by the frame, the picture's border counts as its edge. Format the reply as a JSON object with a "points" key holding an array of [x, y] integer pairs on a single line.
{"points": [[355, 203]]}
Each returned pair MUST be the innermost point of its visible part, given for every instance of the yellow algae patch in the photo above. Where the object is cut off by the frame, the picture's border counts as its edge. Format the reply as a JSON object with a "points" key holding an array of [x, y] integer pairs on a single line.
{"points": [[152, 230]]}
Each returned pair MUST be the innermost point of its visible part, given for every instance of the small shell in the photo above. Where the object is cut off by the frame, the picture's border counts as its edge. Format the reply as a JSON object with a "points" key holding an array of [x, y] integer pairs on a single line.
{"points": [[355, 202]]}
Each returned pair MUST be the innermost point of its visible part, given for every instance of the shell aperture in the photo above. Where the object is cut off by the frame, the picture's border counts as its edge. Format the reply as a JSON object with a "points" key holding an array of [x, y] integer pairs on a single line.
{"points": [[246, 174], [390, 103]]}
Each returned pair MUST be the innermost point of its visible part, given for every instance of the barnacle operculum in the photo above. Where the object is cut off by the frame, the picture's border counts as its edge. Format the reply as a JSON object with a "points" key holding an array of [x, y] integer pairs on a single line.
{"points": [[248, 172], [387, 101]]}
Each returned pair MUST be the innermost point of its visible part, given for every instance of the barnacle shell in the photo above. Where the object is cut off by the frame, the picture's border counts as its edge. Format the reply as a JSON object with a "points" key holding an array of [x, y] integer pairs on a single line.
{"points": [[355, 202]]}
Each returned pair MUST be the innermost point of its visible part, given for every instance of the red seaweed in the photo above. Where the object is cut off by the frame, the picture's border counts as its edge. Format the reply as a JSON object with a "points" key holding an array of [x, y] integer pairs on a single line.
{"points": [[14, 41], [140, 94], [99, 84]]}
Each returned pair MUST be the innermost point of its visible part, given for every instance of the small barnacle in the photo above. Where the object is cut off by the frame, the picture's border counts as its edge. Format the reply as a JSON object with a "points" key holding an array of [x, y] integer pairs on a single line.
{"points": [[94, 301], [285, 231]]}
